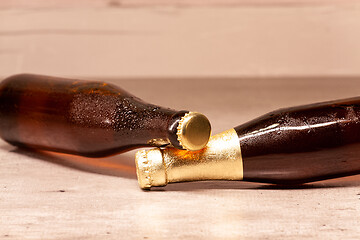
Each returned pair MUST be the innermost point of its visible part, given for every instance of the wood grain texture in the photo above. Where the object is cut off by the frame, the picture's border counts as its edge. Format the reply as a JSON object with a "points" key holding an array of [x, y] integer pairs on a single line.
{"points": [[242, 40], [52, 196]]}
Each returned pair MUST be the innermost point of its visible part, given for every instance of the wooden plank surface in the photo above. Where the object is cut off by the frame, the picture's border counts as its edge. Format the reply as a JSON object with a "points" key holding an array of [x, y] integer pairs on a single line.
{"points": [[53, 196], [157, 41]]}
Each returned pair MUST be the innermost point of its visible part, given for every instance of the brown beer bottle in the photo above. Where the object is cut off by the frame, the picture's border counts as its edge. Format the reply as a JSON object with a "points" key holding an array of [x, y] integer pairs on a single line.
{"points": [[288, 146], [91, 119]]}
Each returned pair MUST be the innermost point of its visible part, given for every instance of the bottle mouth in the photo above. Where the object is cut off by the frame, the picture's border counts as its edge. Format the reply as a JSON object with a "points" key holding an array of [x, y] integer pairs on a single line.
{"points": [[193, 131]]}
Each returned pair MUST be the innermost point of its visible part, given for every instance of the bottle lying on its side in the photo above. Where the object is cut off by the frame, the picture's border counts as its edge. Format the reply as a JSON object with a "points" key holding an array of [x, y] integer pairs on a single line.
{"points": [[288, 146], [91, 119]]}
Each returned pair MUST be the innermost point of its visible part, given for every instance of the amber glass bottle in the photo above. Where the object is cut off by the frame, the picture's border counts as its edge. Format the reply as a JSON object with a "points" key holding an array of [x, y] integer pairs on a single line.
{"points": [[92, 119], [288, 146], [302, 144]]}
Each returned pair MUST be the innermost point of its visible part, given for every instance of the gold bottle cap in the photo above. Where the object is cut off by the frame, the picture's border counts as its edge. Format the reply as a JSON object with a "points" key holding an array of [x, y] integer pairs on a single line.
{"points": [[193, 131]]}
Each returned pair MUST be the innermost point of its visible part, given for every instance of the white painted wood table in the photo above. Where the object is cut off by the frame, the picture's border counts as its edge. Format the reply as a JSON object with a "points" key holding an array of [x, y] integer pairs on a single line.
{"points": [[53, 196]]}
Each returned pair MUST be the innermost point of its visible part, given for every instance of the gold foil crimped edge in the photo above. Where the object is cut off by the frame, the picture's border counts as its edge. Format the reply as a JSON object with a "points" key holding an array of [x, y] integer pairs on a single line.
{"points": [[150, 168]]}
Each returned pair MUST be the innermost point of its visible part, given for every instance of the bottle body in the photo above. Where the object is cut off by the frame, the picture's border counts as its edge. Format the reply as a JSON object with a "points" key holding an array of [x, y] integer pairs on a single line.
{"points": [[80, 117], [302, 144]]}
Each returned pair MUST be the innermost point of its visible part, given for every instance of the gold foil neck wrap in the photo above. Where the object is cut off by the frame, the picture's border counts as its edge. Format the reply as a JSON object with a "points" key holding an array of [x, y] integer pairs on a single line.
{"points": [[219, 160]]}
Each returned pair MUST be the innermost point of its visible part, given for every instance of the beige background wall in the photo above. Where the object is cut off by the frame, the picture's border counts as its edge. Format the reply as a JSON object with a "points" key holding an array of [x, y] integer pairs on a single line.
{"points": [[158, 38]]}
